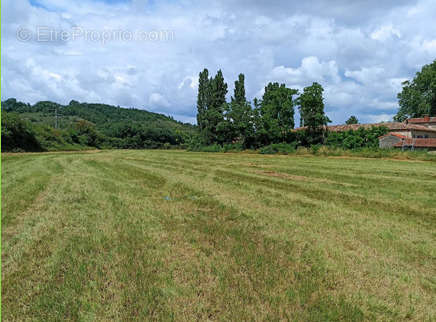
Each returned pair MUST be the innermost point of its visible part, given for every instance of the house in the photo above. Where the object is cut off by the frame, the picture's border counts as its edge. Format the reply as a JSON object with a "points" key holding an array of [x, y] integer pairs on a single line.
{"points": [[426, 121], [393, 140], [409, 130], [416, 133]]}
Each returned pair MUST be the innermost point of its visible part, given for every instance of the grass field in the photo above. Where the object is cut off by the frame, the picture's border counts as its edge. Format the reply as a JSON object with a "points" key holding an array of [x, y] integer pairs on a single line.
{"points": [[173, 235]]}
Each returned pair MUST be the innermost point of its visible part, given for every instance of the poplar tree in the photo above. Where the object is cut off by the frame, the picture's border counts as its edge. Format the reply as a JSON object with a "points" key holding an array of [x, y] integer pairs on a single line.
{"points": [[237, 125], [203, 98], [239, 94], [215, 108], [218, 91]]}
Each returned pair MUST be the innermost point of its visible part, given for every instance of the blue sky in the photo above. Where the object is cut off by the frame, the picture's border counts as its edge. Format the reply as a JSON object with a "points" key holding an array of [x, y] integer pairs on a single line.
{"points": [[360, 51]]}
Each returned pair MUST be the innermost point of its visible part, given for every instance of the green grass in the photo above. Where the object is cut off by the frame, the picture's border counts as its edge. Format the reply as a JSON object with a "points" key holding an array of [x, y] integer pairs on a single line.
{"points": [[174, 235]]}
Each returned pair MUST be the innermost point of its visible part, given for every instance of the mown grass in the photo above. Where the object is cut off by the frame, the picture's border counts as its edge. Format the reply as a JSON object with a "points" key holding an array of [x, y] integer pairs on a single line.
{"points": [[174, 235]]}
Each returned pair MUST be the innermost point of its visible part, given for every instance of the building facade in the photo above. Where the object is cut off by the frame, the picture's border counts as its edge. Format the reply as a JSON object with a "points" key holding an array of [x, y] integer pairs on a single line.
{"points": [[415, 133]]}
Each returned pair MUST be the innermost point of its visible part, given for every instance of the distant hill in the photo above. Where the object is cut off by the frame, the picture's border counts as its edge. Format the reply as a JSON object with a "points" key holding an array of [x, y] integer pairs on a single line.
{"points": [[102, 115], [115, 127]]}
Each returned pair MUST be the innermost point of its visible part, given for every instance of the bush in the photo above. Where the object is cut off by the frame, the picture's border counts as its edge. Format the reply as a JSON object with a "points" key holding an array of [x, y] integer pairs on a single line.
{"points": [[195, 142], [361, 138], [235, 147], [211, 148], [206, 148], [18, 134], [268, 150], [315, 148], [281, 148]]}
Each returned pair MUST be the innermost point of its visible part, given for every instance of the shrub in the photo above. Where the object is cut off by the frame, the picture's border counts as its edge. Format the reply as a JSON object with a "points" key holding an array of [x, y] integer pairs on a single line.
{"points": [[236, 147], [361, 138], [194, 142], [268, 150], [281, 148], [315, 148], [211, 148], [18, 134]]}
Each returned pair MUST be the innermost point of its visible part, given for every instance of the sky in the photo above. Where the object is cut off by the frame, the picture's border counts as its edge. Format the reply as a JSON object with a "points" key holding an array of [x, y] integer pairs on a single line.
{"points": [[147, 54]]}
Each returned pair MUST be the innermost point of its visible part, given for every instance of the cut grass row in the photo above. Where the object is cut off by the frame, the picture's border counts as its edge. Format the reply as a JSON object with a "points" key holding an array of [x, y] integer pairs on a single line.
{"points": [[171, 235]]}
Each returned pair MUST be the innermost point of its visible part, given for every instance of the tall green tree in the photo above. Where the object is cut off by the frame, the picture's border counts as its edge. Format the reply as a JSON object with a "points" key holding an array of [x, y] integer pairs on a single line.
{"points": [[216, 105], [311, 106], [218, 92], [203, 98], [418, 97], [239, 94], [238, 119], [276, 113]]}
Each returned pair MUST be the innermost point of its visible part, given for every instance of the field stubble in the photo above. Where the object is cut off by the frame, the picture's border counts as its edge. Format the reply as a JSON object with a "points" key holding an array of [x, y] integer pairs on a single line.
{"points": [[172, 235]]}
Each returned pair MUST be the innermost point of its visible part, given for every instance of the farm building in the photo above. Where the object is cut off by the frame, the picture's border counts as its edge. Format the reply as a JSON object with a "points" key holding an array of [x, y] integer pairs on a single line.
{"points": [[424, 121], [418, 133], [408, 130], [415, 133], [394, 140]]}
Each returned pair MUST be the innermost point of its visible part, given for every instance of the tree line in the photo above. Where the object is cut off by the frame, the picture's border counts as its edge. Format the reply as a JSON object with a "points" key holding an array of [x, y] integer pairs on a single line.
{"points": [[269, 121]]}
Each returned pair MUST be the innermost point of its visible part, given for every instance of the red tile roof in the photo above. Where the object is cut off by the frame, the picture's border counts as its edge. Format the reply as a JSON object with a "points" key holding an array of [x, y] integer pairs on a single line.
{"points": [[418, 143], [423, 120], [394, 134], [392, 126]]}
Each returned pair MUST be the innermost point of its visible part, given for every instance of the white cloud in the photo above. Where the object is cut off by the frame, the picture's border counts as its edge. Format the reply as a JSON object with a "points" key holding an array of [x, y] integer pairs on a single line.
{"points": [[157, 99], [310, 70], [385, 32], [366, 75], [191, 81], [380, 118], [430, 46]]}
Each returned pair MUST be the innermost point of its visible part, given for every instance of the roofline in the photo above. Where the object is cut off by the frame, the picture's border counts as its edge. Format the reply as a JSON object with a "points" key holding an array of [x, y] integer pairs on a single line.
{"points": [[393, 134], [392, 126]]}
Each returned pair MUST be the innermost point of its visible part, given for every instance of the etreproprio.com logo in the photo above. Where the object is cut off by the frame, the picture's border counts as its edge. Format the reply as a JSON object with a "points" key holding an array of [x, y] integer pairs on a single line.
{"points": [[50, 34]]}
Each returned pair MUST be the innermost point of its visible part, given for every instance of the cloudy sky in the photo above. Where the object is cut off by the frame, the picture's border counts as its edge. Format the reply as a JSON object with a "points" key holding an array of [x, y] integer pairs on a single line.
{"points": [[147, 54]]}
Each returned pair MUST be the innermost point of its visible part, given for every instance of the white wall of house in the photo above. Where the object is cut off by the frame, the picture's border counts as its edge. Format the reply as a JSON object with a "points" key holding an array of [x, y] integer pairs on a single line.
{"points": [[388, 141]]}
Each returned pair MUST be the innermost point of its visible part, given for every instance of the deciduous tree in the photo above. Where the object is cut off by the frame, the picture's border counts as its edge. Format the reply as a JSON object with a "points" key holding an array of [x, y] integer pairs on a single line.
{"points": [[311, 106], [352, 120], [277, 112], [418, 97]]}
